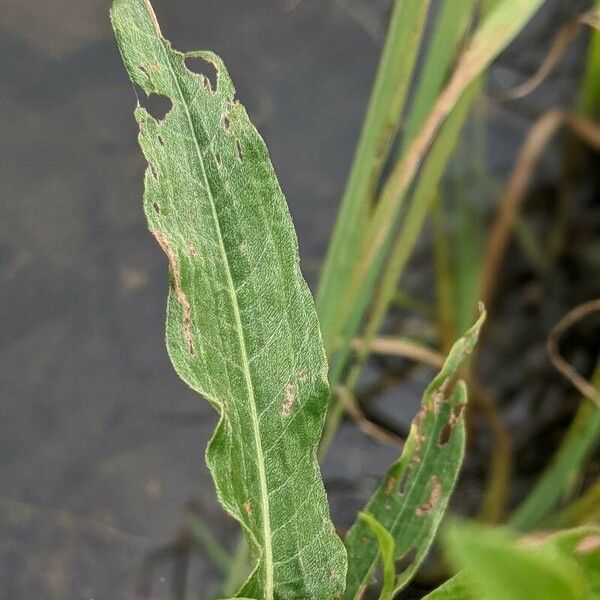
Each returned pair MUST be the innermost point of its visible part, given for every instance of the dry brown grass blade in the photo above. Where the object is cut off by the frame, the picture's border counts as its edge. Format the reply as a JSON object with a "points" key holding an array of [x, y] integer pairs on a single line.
{"points": [[535, 144], [363, 424], [566, 369], [562, 40], [392, 346]]}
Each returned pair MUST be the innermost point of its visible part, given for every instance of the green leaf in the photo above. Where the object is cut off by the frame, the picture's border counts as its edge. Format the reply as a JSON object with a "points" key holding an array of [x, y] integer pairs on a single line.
{"points": [[581, 544], [497, 566], [241, 325], [387, 547], [411, 500]]}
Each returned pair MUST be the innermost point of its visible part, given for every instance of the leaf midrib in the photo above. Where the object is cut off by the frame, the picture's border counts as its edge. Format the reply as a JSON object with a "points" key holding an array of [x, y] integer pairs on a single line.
{"points": [[264, 496]]}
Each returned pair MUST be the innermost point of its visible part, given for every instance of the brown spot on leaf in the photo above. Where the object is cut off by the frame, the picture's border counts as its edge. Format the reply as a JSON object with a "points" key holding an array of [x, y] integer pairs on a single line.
{"points": [[417, 432], [289, 396], [434, 498], [442, 394], [391, 482], [186, 309], [247, 508], [240, 152]]}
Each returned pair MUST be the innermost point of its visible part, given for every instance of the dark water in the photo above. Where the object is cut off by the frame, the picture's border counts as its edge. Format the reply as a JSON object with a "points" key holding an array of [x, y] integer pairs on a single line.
{"points": [[101, 446]]}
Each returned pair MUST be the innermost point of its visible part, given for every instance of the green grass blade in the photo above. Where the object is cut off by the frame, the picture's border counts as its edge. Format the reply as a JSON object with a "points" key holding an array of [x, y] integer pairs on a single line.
{"points": [[584, 509], [411, 500], [203, 535], [496, 31], [451, 24], [420, 204], [412, 226], [496, 567], [492, 36], [579, 442], [378, 132], [241, 325], [589, 101]]}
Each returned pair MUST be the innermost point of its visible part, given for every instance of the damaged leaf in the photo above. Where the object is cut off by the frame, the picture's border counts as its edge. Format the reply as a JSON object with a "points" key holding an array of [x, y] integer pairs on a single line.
{"points": [[413, 496], [241, 324]]}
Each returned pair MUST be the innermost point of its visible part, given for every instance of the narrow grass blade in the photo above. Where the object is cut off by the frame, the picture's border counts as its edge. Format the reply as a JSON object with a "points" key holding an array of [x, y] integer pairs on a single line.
{"points": [[241, 325], [378, 132], [493, 35], [419, 207], [585, 509], [451, 24], [589, 101], [582, 437], [496, 31], [411, 500]]}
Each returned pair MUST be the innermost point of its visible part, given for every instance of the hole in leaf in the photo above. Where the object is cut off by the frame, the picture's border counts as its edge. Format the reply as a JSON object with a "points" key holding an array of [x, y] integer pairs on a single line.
{"points": [[406, 560], [240, 154], [434, 497], [157, 105], [446, 432], [226, 123], [153, 171], [156, 207], [206, 69], [218, 158], [160, 140]]}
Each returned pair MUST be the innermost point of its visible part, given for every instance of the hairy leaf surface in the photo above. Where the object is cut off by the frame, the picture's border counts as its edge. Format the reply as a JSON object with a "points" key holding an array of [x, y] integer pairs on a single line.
{"points": [[413, 496], [241, 324]]}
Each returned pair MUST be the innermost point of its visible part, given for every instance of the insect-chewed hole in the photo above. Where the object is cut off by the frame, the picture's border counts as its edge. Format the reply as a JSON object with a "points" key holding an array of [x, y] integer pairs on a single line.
{"points": [[218, 159], [240, 153], [156, 207], [445, 434], [157, 105], [206, 69], [226, 123], [160, 140]]}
